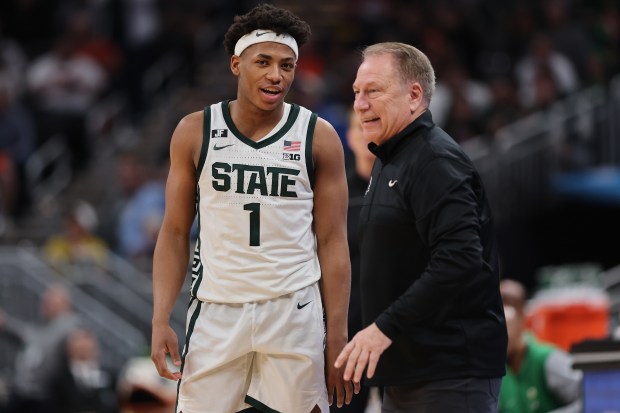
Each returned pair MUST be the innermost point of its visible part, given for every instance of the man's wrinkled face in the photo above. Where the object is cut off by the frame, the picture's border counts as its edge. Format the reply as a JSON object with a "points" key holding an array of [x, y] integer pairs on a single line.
{"points": [[383, 101]]}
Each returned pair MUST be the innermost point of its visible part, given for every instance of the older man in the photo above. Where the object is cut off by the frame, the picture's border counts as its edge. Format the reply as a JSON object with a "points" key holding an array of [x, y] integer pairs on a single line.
{"points": [[436, 334]]}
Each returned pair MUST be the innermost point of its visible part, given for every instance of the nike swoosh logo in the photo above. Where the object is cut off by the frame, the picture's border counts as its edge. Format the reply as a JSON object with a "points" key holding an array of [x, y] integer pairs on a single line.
{"points": [[392, 182], [217, 148], [260, 34], [300, 305]]}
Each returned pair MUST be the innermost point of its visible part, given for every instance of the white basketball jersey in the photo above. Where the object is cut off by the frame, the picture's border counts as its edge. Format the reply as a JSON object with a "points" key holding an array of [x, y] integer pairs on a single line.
{"points": [[254, 204]]}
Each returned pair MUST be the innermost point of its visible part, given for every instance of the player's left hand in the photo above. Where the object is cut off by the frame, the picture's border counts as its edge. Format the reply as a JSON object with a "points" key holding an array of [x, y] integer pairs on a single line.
{"points": [[362, 351], [334, 377]]}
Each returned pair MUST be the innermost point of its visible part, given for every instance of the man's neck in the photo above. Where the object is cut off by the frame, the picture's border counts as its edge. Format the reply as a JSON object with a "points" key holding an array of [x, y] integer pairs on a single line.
{"points": [[253, 122]]}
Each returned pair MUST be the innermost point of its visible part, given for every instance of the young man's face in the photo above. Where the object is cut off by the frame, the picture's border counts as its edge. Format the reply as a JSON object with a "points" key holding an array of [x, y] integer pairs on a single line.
{"points": [[383, 103], [265, 72]]}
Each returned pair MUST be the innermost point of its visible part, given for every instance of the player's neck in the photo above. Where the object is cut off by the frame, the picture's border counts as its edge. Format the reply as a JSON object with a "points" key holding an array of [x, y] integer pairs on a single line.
{"points": [[252, 121]]}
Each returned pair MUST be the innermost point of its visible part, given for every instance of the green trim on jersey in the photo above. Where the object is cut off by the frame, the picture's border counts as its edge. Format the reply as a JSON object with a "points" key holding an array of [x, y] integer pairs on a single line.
{"points": [[309, 140], [292, 116], [197, 267], [190, 330], [206, 137], [258, 405]]}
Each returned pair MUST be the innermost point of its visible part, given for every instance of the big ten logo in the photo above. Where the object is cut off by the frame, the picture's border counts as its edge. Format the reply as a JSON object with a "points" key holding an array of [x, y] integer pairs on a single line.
{"points": [[291, 156]]}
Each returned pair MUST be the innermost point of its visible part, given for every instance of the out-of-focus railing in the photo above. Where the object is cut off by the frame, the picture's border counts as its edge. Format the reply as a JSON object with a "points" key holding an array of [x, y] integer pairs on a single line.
{"points": [[575, 133]]}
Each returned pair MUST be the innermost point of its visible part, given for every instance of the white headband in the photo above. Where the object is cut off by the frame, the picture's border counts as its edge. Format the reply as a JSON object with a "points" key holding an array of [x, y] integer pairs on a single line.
{"points": [[260, 36]]}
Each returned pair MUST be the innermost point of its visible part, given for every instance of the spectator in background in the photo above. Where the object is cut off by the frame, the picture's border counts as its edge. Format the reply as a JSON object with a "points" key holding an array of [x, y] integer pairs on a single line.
{"points": [[454, 89], [42, 354], [77, 244], [8, 188], [13, 62], [567, 32], [63, 85], [82, 384], [539, 376], [544, 67], [105, 52], [137, 29], [142, 212], [513, 294], [17, 143], [142, 390], [505, 107], [463, 122]]}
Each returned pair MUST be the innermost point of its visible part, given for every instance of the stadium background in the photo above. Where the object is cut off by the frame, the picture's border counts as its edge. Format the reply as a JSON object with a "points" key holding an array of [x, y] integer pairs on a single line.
{"points": [[529, 88]]}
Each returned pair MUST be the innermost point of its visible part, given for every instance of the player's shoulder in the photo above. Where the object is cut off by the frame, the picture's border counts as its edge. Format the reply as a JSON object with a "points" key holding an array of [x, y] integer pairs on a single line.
{"points": [[324, 131], [326, 142], [192, 120], [190, 125], [186, 136]]}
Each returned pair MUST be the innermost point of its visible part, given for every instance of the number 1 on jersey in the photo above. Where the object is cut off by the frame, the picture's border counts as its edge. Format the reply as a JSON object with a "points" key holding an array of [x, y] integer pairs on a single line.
{"points": [[254, 209]]}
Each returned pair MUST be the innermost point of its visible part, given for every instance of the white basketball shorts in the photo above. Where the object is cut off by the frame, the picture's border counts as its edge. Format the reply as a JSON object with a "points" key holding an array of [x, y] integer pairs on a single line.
{"points": [[265, 354]]}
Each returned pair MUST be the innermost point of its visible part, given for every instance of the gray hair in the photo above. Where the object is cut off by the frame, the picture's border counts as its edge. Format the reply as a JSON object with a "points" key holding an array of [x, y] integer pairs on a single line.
{"points": [[411, 64]]}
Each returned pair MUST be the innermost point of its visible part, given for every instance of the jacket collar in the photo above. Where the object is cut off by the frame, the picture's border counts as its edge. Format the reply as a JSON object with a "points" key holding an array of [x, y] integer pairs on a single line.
{"points": [[388, 149]]}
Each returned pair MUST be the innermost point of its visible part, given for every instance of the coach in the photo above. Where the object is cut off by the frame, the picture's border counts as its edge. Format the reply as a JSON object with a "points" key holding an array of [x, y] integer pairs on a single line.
{"points": [[436, 335]]}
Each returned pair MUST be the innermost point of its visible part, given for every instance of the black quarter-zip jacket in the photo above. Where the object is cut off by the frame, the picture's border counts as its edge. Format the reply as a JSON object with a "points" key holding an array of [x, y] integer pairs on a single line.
{"points": [[429, 267]]}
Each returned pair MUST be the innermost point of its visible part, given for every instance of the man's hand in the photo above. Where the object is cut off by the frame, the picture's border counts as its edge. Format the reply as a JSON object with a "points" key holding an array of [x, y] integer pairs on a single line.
{"points": [[362, 351], [333, 375], [164, 342]]}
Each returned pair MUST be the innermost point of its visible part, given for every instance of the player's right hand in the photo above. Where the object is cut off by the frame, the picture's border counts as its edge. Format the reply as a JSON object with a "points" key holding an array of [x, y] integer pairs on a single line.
{"points": [[165, 341]]}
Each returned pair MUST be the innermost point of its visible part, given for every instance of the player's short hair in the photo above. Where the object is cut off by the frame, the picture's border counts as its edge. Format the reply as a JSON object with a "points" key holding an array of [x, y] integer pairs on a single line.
{"points": [[266, 17], [411, 64]]}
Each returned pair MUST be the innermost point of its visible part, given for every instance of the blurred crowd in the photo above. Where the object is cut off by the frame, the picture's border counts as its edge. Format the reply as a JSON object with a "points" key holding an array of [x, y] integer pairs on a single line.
{"points": [[60, 368]]}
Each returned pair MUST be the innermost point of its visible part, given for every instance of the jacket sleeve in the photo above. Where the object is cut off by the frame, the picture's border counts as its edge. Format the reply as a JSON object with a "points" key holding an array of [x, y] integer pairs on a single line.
{"points": [[444, 200]]}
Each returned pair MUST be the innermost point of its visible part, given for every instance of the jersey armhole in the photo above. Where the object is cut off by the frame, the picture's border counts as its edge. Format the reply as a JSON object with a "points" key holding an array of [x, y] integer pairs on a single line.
{"points": [[309, 140], [206, 137]]}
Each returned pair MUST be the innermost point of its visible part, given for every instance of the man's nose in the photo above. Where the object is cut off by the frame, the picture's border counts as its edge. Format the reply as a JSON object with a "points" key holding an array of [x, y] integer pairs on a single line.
{"points": [[275, 73], [360, 103]]}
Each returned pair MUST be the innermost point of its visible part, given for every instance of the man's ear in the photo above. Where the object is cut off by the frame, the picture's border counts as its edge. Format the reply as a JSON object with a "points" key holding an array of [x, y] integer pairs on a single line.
{"points": [[416, 96], [235, 61]]}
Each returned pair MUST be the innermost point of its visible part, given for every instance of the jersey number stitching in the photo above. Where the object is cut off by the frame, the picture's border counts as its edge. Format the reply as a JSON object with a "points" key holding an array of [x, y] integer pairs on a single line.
{"points": [[254, 209]]}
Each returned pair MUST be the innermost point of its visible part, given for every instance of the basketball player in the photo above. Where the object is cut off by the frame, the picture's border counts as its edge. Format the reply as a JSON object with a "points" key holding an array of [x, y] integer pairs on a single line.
{"points": [[267, 181]]}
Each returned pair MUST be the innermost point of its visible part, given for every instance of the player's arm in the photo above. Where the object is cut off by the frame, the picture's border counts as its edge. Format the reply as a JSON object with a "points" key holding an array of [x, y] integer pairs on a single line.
{"points": [[171, 256], [330, 224]]}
